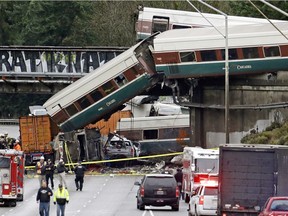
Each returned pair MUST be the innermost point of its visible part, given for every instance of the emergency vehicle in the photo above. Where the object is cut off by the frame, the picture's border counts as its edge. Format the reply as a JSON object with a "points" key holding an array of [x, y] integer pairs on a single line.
{"points": [[11, 176], [198, 165]]}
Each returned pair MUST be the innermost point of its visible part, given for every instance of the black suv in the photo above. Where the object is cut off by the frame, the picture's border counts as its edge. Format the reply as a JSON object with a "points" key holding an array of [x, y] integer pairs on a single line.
{"points": [[158, 190]]}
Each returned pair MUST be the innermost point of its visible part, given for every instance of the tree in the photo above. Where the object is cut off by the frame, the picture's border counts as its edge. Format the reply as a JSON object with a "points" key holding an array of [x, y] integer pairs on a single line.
{"points": [[11, 16], [244, 8], [49, 22]]}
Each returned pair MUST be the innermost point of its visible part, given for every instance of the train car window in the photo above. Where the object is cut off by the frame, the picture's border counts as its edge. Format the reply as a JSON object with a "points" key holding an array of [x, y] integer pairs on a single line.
{"points": [[187, 56], [180, 26], [120, 80], [108, 87], [160, 24], [96, 95], [208, 55], [60, 117], [271, 51], [232, 54], [84, 102], [150, 134], [250, 52], [130, 75], [137, 70], [71, 110]]}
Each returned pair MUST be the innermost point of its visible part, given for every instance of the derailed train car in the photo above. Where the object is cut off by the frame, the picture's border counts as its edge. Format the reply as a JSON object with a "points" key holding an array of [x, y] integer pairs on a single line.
{"points": [[104, 91], [176, 54]]}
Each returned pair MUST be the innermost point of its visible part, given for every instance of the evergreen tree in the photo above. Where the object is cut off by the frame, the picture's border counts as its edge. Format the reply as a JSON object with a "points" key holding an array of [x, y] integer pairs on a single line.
{"points": [[49, 22]]}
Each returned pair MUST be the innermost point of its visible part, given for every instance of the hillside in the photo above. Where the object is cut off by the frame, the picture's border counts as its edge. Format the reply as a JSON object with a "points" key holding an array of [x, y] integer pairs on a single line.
{"points": [[276, 134]]}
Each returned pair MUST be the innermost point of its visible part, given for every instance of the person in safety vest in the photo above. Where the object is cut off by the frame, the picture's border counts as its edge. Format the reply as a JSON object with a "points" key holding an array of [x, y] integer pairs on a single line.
{"points": [[40, 170], [61, 197], [17, 145]]}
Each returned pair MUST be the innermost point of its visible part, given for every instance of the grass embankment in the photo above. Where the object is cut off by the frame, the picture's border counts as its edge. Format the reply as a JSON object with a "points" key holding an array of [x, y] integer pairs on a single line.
{"points": [[276, 134]]}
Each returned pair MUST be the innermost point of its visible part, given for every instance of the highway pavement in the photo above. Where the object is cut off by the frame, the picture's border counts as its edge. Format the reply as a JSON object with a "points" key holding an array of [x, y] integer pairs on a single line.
{"points": [[107, 195]]}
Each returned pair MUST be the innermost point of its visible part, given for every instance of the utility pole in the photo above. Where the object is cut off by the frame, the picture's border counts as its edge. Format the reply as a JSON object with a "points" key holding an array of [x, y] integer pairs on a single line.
{"points": [[227, 103]]}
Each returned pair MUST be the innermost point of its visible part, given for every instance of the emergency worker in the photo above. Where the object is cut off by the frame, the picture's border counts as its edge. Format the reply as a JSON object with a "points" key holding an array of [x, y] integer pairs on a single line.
{"points": [[40, 170], [61, 197], [3, 142], [79, 171], [49, 172], [179, 178], [17, 146], [6, 139], [43, 195], [61, 170]]}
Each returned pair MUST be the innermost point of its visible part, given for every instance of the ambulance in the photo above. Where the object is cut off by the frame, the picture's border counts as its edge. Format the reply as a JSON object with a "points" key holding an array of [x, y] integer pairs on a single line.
{"points": [[198, 165]]}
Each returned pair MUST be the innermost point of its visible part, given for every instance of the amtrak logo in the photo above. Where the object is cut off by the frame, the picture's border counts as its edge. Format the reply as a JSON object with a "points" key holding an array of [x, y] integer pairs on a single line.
{"points": [[110, 102], [241, 67]]}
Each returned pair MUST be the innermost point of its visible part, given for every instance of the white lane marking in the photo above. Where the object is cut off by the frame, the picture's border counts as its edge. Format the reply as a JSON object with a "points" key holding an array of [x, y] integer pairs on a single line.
{"points": [[144, 212], [150, 211]]}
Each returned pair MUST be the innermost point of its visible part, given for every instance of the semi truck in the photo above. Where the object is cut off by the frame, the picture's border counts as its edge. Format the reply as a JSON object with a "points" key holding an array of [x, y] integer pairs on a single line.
{"points": [[36, 134], [249, 175]]}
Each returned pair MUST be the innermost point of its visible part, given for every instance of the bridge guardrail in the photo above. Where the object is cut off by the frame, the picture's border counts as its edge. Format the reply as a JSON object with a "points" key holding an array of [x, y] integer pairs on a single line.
{"points": [[9, 121]]}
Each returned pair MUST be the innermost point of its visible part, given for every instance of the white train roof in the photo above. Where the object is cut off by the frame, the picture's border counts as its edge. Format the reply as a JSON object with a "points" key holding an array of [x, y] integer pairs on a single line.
{"points": [[196, 19], [209, 38], [153, 122]]}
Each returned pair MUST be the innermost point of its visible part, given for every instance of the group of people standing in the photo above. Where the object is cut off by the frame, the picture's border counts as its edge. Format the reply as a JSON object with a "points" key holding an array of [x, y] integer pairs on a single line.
{"points": [[45, 171], [9, 143]]}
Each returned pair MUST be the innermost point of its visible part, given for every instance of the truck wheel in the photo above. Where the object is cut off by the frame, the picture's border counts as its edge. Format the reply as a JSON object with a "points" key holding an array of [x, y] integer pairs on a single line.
{"points": [[175, 208], [141, 207], [11, 203], [20, 197], [138, 205]]}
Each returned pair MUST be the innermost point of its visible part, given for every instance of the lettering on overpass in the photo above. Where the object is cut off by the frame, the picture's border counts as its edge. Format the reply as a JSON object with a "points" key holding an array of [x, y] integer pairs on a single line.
{"points": [[53, 61]]}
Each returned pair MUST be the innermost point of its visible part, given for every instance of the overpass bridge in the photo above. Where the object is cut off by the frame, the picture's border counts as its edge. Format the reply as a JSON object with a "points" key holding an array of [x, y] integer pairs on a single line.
{"points": [[39, 69]]}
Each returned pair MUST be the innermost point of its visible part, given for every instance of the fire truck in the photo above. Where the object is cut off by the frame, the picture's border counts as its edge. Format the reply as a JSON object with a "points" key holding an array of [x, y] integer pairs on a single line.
{"points": [[11, 176], [199, 165]]}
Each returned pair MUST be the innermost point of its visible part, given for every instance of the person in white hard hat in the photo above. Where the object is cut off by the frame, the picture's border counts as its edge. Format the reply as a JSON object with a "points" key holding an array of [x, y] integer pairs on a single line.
{"points": [[40, 170], [17, 145]]}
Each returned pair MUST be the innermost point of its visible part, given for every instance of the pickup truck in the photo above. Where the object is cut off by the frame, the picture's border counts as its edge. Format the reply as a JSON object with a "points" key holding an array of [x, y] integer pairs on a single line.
{"points": [[118, 147]]}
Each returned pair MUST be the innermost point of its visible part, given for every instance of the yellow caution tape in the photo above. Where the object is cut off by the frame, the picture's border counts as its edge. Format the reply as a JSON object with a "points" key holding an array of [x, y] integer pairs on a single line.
{"points": [[120, 159]]}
